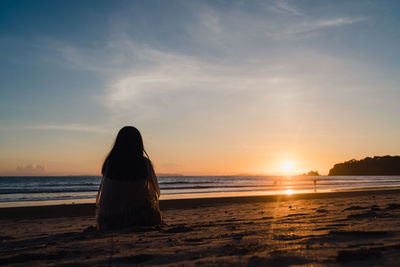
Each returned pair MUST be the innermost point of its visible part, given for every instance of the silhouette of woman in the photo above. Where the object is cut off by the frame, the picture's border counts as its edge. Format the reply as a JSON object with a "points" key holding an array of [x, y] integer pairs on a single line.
{"points": [[129, 192]]}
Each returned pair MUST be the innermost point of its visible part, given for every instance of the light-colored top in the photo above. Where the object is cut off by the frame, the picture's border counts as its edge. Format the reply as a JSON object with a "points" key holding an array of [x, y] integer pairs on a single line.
{"points": [[128, 202]]}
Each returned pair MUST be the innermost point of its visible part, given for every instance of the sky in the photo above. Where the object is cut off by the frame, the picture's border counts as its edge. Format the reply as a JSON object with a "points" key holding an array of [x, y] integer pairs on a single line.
{"points": [[215, 87]]}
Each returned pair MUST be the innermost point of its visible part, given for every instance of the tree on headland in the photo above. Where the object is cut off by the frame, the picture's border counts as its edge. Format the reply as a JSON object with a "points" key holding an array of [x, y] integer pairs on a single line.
{"points": [[386, 165]]}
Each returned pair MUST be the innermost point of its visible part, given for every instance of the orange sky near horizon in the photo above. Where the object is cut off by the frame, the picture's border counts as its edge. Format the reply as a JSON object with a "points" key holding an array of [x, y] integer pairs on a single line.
{"points": [[85, 155]]}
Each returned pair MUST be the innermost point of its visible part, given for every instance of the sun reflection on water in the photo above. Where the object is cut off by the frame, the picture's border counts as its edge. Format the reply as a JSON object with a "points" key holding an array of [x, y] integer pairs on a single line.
{"points": [[289, 192]]}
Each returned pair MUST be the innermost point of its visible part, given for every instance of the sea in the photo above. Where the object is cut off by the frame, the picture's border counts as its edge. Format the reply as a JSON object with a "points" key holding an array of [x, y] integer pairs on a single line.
{"points": [[51, 190]]}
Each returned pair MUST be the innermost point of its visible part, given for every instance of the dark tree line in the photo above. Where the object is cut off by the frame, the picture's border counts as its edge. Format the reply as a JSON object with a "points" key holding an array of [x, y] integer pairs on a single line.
{"points": [[386, 165]]}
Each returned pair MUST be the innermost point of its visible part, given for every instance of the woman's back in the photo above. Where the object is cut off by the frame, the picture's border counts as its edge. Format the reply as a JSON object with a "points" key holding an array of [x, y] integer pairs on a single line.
{"points": [[127, 198]]}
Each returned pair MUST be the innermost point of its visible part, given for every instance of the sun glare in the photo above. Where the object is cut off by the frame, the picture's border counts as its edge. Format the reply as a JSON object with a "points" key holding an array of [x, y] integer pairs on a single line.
{"points": [[289, 192], [288, 166]]}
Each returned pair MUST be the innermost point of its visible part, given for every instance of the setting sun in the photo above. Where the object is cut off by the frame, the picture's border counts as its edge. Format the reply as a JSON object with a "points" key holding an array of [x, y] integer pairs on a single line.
{"points": [[287, 167]]}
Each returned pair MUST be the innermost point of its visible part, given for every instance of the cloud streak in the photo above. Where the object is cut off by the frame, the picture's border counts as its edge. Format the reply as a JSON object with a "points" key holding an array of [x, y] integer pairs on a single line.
{"points": [[32, 169], [306, 27], [284, 7], [67, 127]]}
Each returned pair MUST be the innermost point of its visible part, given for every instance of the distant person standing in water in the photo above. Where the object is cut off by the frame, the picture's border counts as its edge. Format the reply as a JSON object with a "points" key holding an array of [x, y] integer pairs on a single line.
{"points": [[129, 192]]}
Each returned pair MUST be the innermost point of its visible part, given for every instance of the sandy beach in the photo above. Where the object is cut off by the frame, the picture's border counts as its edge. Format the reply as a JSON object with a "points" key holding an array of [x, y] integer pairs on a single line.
{"points": [[333, 229]]}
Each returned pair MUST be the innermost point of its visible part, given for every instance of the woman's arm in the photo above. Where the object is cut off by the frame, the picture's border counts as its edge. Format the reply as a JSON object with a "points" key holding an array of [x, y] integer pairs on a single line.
{"points": [[99, 193], [153, 178]]}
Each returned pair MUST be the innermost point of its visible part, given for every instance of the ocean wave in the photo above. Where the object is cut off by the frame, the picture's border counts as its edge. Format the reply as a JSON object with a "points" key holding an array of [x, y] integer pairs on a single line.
{"points": [[45, 191], [81, 187]]}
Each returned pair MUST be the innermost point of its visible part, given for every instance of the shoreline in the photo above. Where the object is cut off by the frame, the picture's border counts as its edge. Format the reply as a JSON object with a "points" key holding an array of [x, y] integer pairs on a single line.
{"points": [[88, 209]]}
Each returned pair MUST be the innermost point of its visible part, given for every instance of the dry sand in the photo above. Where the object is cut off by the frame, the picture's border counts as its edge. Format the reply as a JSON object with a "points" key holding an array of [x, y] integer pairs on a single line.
{"points": [[333, 229]]}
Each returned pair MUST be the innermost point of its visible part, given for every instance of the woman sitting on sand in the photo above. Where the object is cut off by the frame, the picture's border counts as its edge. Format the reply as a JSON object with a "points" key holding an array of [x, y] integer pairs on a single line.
{"points": [[129, 190]]}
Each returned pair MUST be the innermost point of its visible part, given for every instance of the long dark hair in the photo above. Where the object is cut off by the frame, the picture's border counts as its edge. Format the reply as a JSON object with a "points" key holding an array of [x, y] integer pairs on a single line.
{"points": [[126, 160]]}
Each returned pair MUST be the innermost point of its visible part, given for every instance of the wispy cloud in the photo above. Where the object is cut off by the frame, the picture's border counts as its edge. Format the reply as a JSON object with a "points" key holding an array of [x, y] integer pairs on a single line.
{"points": [[283, 6], [173, 83], [278, 21], [67, 127], [32, 169], [306, 27]]}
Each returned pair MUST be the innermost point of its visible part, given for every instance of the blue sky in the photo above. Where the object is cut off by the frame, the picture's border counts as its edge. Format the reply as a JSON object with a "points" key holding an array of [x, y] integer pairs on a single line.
{"points": [[214, 86]]}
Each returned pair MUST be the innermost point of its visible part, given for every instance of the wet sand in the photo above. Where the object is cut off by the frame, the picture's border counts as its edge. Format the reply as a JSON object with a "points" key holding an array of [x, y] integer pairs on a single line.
{"points": [[329, 229]]}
